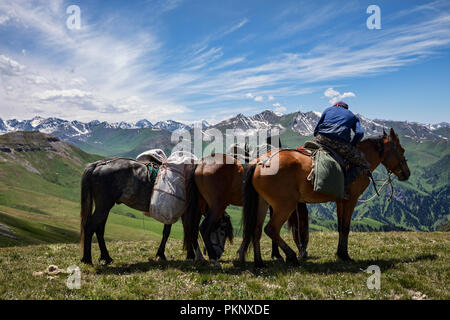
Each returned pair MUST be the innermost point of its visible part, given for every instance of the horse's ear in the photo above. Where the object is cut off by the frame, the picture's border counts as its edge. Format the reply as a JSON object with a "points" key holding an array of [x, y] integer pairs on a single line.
{"points": [[393, 134], [384, 133]]}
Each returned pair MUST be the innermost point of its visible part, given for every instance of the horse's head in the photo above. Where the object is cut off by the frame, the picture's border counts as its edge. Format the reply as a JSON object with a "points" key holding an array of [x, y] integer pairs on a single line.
{"points": [[394, 156]]}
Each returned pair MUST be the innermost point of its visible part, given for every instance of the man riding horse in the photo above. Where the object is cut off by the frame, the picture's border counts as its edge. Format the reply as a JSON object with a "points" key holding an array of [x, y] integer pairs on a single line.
{"points": [[334, 131]]}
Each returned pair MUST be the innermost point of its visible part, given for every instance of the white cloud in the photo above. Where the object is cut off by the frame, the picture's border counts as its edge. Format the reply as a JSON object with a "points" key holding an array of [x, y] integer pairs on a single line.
{"points": [[335, 96], [10, 67], [270, 98], [228, 63], [330, 93], [4, 19], [36, 79], [279, 109], [258, 98], [56, 94], [236, 27]]}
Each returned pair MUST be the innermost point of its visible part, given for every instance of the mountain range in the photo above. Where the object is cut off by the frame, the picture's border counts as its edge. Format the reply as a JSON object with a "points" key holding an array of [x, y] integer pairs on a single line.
{"points": [[302, 123]]}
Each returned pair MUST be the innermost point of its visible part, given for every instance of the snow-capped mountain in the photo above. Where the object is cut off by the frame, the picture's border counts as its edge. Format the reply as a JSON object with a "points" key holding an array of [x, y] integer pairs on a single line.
{"points": [[302, 123], [264, 120], [203, 124], [75, 128], [2, 126], [144, 123], [171, 125]]}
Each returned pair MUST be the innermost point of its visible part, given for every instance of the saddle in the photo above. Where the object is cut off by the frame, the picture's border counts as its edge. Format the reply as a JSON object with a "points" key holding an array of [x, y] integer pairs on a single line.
{"points": [[328, 168], [313, 147], [152, 159], [245, 154]]}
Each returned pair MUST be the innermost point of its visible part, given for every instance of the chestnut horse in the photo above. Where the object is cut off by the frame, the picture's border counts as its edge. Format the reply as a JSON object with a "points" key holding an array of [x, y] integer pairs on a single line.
{"points": [[289, 185], [215, 183]]}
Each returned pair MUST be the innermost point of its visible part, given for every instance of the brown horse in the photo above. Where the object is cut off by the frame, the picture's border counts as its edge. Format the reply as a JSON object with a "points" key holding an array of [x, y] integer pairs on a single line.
{"points": [[215, 183], [284, 189]]}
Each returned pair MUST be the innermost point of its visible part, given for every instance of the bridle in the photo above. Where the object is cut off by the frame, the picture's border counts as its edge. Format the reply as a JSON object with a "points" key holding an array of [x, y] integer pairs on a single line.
{"points": [[388, 180], [394, 152]]}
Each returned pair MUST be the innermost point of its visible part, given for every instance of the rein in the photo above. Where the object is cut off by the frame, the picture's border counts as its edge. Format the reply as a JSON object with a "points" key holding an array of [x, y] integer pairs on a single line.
{"points": [[387, 181]]}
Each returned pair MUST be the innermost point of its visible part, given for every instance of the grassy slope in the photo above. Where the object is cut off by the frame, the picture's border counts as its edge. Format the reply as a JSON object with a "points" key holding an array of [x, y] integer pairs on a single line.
{"points": [[413, 265], [117, 142]]}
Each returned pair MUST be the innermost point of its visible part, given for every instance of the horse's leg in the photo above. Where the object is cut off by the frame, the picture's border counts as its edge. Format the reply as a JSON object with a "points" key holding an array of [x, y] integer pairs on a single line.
{"points": [[262, 212], [344, 215], [104, 259], [273, 228], [88, 232], [242, 250], [275, 250], [300, 229], [93, 223], [213, 215], [162, 247], [195, 253]]}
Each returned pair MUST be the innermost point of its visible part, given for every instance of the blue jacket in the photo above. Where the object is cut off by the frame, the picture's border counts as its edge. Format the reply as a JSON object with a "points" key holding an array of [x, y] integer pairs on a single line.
{"points": [[337, 123]]}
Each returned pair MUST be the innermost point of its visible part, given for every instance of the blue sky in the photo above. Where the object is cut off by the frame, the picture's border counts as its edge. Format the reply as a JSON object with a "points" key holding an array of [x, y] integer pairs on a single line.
{"points": [[189, 60]]}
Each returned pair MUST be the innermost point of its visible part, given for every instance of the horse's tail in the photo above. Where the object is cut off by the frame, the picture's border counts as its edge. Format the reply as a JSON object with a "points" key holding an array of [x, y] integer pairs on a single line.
{"points": [[86, 198], [250, 199], [191, 217]]}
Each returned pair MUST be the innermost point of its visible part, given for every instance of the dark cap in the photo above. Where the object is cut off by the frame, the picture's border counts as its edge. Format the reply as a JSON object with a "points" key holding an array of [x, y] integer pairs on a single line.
{"points": [[341, 104]]}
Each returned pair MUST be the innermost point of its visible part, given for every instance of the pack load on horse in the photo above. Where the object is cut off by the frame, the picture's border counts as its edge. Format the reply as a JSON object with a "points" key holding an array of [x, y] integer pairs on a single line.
{"points": [[284, 189], [168, 198], [131, 182]]}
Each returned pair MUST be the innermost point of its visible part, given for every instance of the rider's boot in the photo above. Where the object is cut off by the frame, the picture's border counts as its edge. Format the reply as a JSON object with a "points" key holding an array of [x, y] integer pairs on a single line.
{"points": [[350, 176]]}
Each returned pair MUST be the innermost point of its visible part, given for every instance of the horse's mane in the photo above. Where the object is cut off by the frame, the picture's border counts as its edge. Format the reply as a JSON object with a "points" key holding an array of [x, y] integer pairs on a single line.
{"points": [[377, 142]]}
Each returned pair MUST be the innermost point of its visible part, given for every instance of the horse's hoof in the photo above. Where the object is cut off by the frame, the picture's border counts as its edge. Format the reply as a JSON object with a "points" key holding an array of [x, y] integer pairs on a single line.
{"points": [[190, 256], [216, 264], [161, 258], [293, 261], [277, 256], [201, 261], [105, 261], [303, 255], [345, 257], [86, 261]]}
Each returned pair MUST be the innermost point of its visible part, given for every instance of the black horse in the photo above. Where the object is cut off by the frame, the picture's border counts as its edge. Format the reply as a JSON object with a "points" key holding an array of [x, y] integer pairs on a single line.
{"points": [[114, 181]]}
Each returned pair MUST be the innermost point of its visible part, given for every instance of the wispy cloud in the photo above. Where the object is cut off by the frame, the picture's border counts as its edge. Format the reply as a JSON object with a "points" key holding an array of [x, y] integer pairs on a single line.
{"points": [[236, 27]]}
